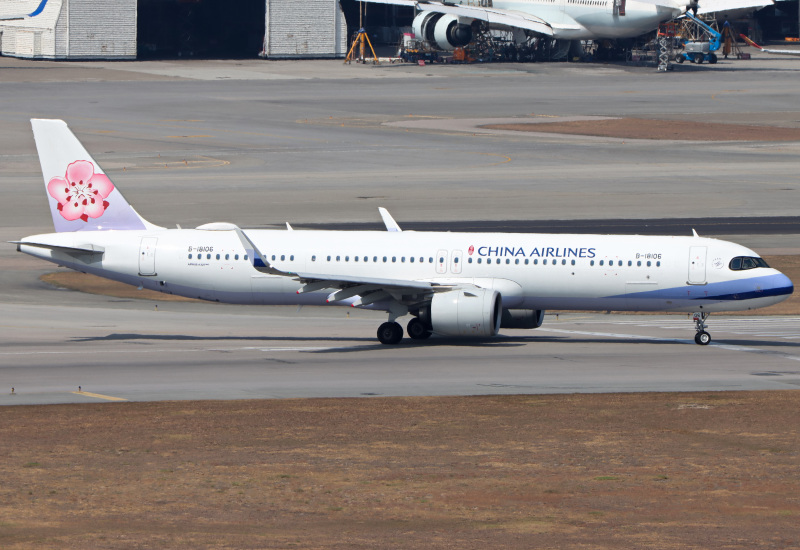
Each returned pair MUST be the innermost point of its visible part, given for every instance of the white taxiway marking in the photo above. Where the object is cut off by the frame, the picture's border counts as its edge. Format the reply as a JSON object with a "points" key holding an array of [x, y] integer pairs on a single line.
{"points": [[728, 347], [170, 350]]}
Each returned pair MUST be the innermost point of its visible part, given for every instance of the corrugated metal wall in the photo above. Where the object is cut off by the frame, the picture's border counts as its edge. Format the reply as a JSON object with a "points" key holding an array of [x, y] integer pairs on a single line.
{"points": [[304, 28], [104, 29]]}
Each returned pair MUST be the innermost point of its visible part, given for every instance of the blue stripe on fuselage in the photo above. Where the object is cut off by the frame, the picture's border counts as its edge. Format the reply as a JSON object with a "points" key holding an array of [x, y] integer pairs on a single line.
{"points": [[742, 289]]}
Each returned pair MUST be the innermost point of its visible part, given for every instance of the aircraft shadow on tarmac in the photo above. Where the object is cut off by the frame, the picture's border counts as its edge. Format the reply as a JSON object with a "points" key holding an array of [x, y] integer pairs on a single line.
{"points": [[347, 347]]}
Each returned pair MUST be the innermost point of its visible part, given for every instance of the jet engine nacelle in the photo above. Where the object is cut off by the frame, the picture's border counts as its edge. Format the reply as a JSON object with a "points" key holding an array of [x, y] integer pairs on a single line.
{"points": [[473, 312], [442, 31], [522, 318]]}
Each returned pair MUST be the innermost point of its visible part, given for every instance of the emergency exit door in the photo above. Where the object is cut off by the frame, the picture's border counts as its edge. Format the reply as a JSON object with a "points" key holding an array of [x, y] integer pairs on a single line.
{"points": [[697, 265], [147, 256]]}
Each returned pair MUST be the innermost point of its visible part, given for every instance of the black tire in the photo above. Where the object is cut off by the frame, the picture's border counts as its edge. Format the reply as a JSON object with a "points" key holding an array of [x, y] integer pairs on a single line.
{"points": [[390, 333], [417, 330], [712, 58], [679, 58], [698, 58], [702, 338]]}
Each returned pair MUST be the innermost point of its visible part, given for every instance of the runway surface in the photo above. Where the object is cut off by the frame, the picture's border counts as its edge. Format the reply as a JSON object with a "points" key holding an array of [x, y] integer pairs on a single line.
{"points": [[191, 351], [261, 143]]}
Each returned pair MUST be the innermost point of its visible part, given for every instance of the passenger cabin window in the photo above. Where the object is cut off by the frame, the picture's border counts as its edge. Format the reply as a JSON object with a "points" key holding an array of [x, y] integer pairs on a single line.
{"points": [[742, 263]]}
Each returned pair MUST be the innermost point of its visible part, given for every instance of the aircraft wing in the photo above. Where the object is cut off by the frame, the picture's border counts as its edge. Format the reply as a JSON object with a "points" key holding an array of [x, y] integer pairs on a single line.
{"points": [[777, 52], [368, 289], [721, 6], [493, 16]]}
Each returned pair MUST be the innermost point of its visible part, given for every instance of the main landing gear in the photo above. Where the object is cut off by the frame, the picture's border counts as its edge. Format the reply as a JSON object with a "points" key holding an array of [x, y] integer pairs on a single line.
{"points": [[702, 337], [391, 332]]}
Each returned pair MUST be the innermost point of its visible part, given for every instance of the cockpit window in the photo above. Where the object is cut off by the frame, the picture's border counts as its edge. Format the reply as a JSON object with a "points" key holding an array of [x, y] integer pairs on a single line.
{"points": [[741, 263]]}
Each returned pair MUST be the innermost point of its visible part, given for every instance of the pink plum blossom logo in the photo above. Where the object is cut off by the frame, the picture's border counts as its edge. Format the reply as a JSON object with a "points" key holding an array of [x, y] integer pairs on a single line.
{"points": [[81, 193]]}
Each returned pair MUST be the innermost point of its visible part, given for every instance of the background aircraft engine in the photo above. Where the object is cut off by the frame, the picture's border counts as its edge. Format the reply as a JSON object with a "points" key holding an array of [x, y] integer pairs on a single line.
{"points": [[442, 31], [473, 312], [522, 318]]}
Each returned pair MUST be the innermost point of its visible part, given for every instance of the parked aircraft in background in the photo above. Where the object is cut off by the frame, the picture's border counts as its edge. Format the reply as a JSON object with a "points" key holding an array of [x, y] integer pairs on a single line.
{"points": [[20, 16], [448, 25], [452, 284]]}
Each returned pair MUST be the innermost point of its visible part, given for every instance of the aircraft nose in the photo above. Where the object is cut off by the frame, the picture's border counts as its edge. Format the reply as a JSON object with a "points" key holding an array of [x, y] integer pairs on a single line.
{"points": [[783, 285]]}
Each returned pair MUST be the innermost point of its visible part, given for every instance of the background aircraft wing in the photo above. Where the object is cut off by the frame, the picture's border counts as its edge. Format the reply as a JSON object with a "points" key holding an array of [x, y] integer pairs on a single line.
{"points": [[721, 6], [778, 52], [493, 16]]}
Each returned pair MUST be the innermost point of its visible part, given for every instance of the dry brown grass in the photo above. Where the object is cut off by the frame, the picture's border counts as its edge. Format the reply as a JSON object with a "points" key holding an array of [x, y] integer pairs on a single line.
{"points": [[638, 128], [702, 470]]}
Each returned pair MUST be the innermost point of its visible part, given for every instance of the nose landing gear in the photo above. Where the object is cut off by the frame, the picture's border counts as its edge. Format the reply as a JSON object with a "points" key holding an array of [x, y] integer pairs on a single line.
{"points": [[702, 337]]}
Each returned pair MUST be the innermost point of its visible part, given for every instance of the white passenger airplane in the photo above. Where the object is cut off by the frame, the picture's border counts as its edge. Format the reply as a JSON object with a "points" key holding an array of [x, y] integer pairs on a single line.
{"points": [[453, 284], [448, 24]]}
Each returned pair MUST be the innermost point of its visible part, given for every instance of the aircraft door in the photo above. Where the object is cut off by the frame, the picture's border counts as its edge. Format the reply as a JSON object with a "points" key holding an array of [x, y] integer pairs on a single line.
{"points": [[441, 262], [147, 256], [455, 262], [697, 265]]}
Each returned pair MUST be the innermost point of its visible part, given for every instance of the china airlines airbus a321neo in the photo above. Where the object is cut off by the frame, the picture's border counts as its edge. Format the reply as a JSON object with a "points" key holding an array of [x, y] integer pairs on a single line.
{"points": [[452, 284]]}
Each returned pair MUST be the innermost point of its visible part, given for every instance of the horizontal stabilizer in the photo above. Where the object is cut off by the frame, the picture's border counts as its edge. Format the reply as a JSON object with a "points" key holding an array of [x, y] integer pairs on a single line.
{"points": [[82, 250]]}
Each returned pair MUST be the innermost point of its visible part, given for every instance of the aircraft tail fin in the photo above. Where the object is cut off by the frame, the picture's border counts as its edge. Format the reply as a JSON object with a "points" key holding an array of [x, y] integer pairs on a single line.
{"points": [[81, 196]]}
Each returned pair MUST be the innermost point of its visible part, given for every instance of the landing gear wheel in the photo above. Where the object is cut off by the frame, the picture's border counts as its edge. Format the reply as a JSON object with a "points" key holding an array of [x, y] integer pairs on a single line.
{"points": [[390, 333], [416, 330], [702, 338], [698, 58]]}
